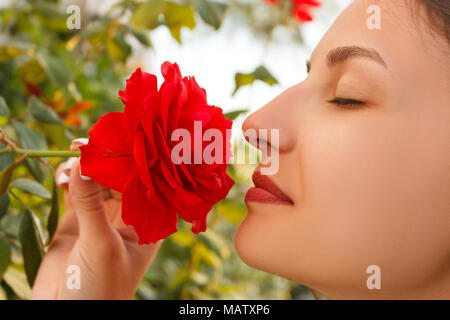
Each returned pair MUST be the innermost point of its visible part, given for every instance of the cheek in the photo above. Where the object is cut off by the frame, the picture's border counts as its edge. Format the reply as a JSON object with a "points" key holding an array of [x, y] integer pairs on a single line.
{"points": [[364, 197]]}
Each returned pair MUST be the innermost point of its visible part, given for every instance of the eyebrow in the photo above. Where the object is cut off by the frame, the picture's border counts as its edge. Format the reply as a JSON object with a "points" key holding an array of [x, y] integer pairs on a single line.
{"points": [[340, 55]]}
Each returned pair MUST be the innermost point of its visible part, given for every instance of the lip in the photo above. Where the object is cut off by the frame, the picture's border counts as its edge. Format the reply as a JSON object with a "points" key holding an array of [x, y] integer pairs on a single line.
{"points": [[266, 191]]}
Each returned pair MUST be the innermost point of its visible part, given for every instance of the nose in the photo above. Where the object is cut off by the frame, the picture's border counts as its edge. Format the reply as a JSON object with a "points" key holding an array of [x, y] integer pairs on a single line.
{"points": [[279, 114]]}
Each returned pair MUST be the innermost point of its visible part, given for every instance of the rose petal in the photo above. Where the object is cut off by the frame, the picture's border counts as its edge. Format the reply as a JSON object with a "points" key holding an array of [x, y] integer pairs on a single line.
{"points": [[164, 153], [187, 199], [151, 218], [215, 195], [199, 212], [175, 112], [168, 94], [197, 95], [169, 176], [171, 72], [139, 85], [151, 112], [199, 225], [140, 156], [184, 173], [107, 158]]}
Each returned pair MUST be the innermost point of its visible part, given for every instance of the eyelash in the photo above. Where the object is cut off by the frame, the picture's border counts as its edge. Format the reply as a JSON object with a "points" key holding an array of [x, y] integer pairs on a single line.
{"points": [[346, 103]]}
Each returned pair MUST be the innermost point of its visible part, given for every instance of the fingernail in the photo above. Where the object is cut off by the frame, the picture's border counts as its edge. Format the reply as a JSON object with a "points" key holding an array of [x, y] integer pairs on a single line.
{"points": [[70, 163], [85, 178], [63, 178], [81, 140]]}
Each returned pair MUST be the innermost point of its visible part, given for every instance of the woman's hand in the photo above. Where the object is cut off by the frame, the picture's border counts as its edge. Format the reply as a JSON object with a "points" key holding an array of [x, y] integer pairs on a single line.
{"points": [[92, 237]]}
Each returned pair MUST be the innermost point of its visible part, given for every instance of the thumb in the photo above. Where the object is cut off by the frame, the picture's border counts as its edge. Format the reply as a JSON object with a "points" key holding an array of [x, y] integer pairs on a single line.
{"points": [[87, 200]]}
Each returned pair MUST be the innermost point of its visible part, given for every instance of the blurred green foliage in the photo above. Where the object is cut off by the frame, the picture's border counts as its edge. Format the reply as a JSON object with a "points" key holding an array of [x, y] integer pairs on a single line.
{"points": [[55, 82]]}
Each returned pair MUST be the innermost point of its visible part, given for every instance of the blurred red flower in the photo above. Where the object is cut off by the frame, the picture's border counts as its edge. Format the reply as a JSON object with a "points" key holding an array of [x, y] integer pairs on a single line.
{"points": [[130, 152], [300, 8]]}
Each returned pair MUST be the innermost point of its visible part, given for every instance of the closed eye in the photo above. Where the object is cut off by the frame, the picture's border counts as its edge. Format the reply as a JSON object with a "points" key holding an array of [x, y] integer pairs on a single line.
{"points": [[346, 103]]}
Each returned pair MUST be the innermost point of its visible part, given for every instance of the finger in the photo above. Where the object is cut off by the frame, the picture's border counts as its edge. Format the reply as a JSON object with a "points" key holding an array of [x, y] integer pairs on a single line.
{"points": [[114, 212], [68, 165], [115, 194], [68, 223], [145, 253], [131, 237], [87, 200], [62, 181], [76, 143], [62, 178]]}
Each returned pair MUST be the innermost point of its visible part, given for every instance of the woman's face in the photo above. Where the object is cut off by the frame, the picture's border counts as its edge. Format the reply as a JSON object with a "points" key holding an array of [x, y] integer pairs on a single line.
{"points": [[369, 181]]}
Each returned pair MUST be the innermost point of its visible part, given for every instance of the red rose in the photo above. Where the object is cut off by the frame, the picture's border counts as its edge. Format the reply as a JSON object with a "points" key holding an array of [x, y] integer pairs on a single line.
{"points": [[130, 152]]}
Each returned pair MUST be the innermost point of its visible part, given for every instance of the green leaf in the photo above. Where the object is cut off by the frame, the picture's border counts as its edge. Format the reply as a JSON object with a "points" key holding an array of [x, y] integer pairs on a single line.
{"points": [[142, 38], [48, 8], [5, 255], [180, 278], [147, 14], [32, 71], [215, 242], [4, 204], [5, 177], [183, 238], [198, 277], [242, 79], [31, 140], [17, 281], [56, 70], [41, 112], [4, 109], [178, 16], [7, 53], [32, 248], [5, 159], [10, 45], [118, 48], [11, 222], [234, 114], [3, 294], [56, 134], [52, 221], [32, 187], [211, 12], [28, 138], [96, 31], [232, 211], [209, 256], [261, 73]]}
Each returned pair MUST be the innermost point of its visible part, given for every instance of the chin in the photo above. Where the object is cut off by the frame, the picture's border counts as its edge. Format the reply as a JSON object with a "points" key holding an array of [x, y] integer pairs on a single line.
{"points": [[248, 239], [257, 239], [243, 243]]}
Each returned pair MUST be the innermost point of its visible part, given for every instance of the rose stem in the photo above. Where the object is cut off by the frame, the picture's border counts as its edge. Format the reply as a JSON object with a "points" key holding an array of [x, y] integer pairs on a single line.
{"points": [[42, 153], [12, 148]]}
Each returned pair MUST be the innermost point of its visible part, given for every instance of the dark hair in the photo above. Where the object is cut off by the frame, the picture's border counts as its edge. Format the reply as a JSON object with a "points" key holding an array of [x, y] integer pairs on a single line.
{"points": [[438, 16]]}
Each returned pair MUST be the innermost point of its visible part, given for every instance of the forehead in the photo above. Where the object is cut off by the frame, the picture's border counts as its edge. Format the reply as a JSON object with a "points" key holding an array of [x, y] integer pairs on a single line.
{"points": [[384, 26], [398, 38]]}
